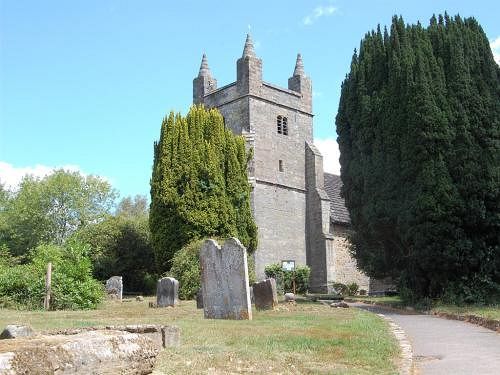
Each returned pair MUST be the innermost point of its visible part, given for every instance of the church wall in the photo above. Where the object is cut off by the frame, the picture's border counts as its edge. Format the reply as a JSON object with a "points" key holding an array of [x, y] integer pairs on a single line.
{"points": [[280, 216], [344, 265], [271, 147]]}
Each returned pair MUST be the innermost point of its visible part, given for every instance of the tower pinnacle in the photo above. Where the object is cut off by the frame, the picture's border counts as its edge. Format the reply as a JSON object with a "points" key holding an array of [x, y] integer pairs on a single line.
{"points": [[248, 51], [204, 69], [299, 67]]}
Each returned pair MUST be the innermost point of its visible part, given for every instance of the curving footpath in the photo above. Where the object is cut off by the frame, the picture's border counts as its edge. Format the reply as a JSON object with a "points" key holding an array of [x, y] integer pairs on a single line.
{"points": [[443, 346]]}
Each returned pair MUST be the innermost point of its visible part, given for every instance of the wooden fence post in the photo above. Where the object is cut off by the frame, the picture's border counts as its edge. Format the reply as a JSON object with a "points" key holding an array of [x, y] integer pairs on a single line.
{"points": [[48, 282]]}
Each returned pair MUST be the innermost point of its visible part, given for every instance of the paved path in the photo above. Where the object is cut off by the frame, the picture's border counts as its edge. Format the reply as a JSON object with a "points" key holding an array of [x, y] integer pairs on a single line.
{"points": [[443, 346]]}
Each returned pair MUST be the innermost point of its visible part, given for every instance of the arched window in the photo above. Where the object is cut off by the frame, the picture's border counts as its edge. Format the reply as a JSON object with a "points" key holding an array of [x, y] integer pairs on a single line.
{"points": [[285, 126], [282, 125]]}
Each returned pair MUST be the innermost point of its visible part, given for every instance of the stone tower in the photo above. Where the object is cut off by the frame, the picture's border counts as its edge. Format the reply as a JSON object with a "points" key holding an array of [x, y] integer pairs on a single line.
{"points": [[289, 203]]}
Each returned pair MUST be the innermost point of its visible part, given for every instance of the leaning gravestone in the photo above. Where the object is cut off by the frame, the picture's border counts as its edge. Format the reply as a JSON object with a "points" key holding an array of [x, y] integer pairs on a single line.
{"points": [[167, 292], [114, 287], [265, 295], [224, 280]]}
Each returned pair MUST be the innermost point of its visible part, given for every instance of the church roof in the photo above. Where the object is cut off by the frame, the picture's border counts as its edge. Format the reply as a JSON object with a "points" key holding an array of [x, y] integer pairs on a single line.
{"points": [[338, 210]]}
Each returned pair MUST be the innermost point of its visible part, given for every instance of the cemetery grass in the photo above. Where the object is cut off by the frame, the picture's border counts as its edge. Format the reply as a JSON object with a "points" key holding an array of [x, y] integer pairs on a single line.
{"points": [[308, 338], [486, 312]]}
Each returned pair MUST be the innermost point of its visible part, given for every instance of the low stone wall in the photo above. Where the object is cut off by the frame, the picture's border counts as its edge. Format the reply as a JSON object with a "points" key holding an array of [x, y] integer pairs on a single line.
{"points": [[108, 350]]}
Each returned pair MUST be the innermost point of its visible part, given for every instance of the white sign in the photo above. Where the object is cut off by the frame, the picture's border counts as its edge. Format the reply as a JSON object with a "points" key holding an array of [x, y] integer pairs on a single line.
{"points": [[288, 265]]}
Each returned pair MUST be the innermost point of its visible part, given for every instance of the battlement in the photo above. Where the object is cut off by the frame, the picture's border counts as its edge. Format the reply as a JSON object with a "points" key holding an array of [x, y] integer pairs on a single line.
{"points": [[297, 96]]}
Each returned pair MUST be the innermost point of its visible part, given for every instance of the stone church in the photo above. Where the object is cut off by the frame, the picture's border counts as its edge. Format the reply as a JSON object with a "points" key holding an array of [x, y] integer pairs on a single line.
{"points": [[298, 209]]}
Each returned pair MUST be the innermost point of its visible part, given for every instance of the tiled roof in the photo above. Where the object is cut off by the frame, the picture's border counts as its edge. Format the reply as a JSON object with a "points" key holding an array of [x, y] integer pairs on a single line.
{"points": [[338, 210]]}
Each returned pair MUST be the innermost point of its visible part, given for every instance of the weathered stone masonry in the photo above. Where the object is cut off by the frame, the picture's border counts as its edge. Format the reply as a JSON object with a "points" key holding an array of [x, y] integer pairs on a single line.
{"points": [[290, 203]]}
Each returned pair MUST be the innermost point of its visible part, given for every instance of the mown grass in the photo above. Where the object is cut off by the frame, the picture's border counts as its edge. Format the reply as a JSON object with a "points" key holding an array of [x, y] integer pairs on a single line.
{"points": [[307, 338], [487, 312]]}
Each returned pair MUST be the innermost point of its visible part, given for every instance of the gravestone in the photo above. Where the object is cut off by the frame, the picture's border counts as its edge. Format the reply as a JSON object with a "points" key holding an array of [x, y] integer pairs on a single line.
{"points": [[114, 287], [167, 292], [224, 280], [13, 331], [265, 295], [289, 297]]}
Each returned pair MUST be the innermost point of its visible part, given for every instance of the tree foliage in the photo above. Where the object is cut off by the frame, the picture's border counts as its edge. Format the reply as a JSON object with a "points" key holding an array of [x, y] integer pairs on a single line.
{"points": [[121, 245], [51, 209], [418, 127], [23, 285], [199, 185]]}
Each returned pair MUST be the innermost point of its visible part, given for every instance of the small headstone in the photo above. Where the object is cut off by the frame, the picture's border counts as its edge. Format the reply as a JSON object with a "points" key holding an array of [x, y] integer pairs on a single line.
{"points": [[13, 331], [252, 297], [114, 287], [339, 305], [265, 294], [289, 297], [199, 299], [139, 298], [171, 336], [224, 278], [167, 292]]}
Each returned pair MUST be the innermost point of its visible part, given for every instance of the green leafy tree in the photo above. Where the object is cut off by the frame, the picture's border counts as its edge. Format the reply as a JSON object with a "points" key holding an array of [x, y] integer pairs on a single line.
{"points": [[199, 185], [52, 208], [23, 285], [133, 207], [418, 127], [121, 245]]}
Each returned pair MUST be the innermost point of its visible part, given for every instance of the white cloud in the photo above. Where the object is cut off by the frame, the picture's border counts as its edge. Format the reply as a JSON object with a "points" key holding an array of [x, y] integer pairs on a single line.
{"points": [[11, 176], [318, 12], [495, 48], [331, 154]]}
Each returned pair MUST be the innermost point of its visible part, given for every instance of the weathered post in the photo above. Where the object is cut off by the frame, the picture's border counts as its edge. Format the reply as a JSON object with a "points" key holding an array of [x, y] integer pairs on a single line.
{"points": [[48, 283]]}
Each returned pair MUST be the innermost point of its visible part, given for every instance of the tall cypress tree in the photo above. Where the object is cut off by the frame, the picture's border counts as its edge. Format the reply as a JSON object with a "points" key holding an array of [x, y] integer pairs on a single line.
{"points": [[418, 127], [199, 184]]}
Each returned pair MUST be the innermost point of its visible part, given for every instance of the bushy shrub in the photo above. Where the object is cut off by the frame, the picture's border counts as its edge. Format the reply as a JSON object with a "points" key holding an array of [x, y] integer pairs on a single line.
{"points": [[352, 289], [186, 269], [284, 279], [340, 289], [23, 286]]}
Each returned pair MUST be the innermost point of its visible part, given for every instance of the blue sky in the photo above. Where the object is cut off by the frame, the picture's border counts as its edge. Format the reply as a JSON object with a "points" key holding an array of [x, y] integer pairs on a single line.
{"points": [[85, 84]]}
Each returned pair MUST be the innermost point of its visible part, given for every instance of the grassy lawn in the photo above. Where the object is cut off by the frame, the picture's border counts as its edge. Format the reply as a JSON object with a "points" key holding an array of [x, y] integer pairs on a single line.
{"points": [[487, 312], [308, 338]]}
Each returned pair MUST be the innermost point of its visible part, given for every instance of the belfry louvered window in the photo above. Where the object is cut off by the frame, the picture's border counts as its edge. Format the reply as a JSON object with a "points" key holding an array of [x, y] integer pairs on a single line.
{"points": [[282, 125]]}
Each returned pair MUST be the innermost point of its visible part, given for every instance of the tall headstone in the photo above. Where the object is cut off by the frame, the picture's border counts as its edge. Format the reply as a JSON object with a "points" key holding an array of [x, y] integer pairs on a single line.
{"points": [[114, 287], [167, 292], [265, 295], [224, 280]]}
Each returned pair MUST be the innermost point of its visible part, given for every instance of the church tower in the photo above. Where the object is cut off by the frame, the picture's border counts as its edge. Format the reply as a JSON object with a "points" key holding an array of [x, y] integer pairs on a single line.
{"points": [[289, 203]]}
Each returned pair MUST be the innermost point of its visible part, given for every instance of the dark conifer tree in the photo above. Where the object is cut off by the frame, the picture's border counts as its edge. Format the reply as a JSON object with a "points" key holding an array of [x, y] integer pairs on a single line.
{"points": [[418, 127]]}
